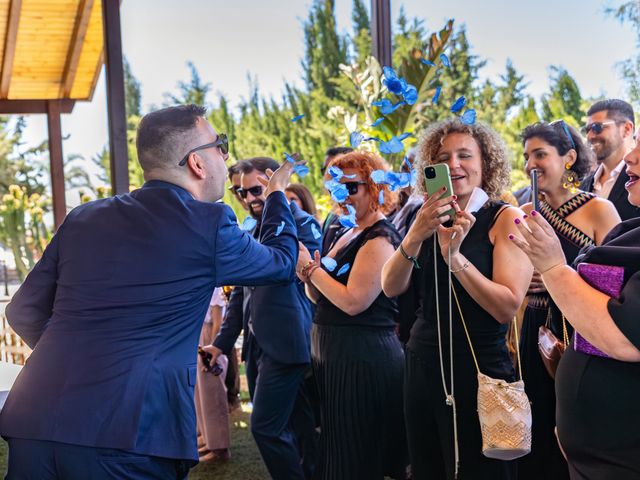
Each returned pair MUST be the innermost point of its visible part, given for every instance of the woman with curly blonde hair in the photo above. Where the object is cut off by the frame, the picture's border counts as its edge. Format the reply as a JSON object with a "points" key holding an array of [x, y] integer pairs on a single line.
{"points": [[490, 278]]}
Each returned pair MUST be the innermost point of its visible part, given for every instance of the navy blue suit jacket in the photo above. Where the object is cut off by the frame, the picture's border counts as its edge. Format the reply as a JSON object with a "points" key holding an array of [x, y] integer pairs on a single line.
{"points": [[618, 195], [281, 314], [114, 310]]}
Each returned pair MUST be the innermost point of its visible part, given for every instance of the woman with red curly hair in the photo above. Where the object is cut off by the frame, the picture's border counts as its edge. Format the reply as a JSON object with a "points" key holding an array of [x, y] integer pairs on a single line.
{"points": [[357, 358]]}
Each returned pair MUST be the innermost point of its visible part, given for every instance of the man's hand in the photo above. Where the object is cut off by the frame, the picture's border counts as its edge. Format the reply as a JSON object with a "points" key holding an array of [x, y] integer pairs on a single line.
{"points": [[279, 180], [214, 351]]}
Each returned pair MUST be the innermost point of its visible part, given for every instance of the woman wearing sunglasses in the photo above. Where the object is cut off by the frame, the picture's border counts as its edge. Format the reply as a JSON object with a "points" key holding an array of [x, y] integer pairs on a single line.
{"points": [[580, 219], [490, 278], [356, 355]]}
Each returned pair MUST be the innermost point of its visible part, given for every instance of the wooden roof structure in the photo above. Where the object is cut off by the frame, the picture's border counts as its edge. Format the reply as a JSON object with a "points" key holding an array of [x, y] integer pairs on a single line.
{"points": [[52, 56]]}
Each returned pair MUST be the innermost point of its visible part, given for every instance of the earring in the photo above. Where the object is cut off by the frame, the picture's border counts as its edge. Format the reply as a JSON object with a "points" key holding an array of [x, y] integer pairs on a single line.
{"points": [[570, 181]]}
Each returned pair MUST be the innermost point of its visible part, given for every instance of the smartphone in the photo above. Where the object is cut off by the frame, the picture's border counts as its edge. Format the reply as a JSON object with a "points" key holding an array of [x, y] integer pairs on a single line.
{"points": [[435, 178], [535, 198], [206, 360]]}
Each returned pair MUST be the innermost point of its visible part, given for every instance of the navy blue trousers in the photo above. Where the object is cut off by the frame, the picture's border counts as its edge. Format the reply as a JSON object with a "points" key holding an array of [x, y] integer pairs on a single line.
{"points": [[275, 389], [43, 460]]}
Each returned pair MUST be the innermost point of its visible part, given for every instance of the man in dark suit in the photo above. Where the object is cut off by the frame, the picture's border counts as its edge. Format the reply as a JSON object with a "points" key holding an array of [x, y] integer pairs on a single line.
{"points": [[115, 306], [277, 321], [609, 129]]}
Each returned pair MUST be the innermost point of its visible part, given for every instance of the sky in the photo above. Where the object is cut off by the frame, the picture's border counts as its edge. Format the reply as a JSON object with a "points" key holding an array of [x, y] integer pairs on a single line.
{"points": [[228, 40]]}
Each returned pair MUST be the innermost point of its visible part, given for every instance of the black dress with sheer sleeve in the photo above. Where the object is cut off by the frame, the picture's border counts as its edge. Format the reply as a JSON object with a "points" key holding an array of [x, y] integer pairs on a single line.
{"points": [[598, 399], [358, 363]]}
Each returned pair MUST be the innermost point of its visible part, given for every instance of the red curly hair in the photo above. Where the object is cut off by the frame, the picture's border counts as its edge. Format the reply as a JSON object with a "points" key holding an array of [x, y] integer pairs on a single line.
{"points": [[365, 163]]}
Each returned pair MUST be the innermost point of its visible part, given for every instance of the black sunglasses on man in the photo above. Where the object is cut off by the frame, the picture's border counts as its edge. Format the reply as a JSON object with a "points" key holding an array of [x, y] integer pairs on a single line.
{"points": [[222, 142], [255, 191], [597, 127]]}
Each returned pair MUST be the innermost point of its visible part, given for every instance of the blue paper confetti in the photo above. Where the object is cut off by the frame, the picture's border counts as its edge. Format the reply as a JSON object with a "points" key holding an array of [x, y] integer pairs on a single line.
{"points": [[329, 263], [355, 139], [377, 122], [410, 94], [309, 218], [445, 60], [335, 172], [248, 224], [280, 228], [468, 117], [351, 210], [340, 193], [289, 158], [301, 170], [348, 221], [314, 230], [343, 269], [378, 176], [395, 84], [406, 161], [386, 107], [459, 104], [381, 197], [427, 62], [436, 95], [297, 117]]}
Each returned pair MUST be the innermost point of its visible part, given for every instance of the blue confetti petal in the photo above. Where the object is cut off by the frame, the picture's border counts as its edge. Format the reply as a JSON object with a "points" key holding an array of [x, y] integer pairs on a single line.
{"points": [[347, 221], [381, 197], [427, 62], [436, 95], [414, 177], [377, 122], [355, 139], [407, 162], [459, 104], [309, 218], [351, 210], [340, 194], [335, 172], [445, 60], [280, 228], [378, 176], [410, 94], [289, 158], [395, 84], [404, 135], [297, 117], [343, 269], [392, 146], [468, 117], [301, 170], [248, 224], [314, 230], [329, 263]]}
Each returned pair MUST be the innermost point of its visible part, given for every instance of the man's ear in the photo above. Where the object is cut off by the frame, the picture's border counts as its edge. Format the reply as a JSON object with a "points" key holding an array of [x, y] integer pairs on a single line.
{"points": [[196, 164]]}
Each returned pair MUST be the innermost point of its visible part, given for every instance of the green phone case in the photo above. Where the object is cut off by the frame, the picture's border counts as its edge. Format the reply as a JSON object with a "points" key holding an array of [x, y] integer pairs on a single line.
{"points": [[441, 179]]}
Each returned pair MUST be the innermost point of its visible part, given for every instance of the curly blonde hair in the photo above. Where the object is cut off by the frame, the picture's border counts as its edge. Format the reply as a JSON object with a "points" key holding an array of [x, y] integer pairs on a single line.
{"points": [[496, 167]]}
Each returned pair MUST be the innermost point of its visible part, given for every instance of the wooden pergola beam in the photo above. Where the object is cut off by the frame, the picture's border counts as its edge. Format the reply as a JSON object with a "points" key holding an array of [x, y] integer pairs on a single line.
{"points": [[10, 46], [56, 161], [34, 106], [381, 31], [75, 46]]}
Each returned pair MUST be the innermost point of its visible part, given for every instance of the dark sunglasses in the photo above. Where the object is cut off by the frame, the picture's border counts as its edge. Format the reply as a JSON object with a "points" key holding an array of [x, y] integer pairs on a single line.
{"points": [[565, 130], [255, 191], [222, 142], [233, 189], [597, 127], [352, 187]]}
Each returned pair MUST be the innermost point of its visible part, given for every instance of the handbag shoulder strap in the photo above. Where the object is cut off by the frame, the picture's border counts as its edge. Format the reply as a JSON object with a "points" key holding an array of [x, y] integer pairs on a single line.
{"points": [[466, 331]]}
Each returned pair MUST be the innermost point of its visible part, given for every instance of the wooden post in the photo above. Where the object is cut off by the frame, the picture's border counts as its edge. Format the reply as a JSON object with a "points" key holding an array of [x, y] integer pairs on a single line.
{"points": [[118, 154], [381, 31], [55, 161]]}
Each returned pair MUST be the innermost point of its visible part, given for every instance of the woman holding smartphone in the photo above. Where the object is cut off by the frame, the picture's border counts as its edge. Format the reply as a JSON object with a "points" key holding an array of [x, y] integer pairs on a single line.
{"points": [[580, 219], [490, 277]]}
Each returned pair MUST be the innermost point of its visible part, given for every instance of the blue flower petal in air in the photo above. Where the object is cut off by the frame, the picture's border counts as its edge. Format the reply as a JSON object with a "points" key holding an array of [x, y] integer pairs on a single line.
{"points": [[377, 122], [280, 228], [340, 193], [378, 176], [347, 221], [395, 84], [381, 197], [343, 269], [301, 170], [468, 117], [297, 117], [436, 95], [414, 177], [410, 94], [445, 60], [404, 135], [329, 263], [459, 104], [335, 172], [289, 158], [392, 146], [427, 62], [314, 230], [248, 224], [355, 139], [351, 210], [406, 161]]}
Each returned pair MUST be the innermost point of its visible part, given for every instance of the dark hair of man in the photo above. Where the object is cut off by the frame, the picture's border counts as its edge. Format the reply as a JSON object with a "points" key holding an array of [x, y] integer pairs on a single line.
{"points": [[616, 109], [258, 163], [303, 193], [556, 136], [333, 151], [166, 135], [235, 169]]}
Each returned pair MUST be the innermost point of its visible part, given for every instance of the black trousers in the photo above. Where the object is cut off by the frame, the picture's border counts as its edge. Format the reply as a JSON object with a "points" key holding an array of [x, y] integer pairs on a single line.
{"points": [[429, 421], [44, 460]]}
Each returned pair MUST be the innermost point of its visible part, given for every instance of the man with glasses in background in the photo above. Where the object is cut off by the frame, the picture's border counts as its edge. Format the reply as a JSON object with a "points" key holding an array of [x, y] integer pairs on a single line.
{"points": [[115, 306], [610, 132], [276, 349]]}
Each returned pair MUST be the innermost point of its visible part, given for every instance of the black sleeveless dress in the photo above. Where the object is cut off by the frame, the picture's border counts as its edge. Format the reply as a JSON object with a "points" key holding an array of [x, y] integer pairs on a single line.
{"points": [[546, 460], [429, 419], [358, 364]]}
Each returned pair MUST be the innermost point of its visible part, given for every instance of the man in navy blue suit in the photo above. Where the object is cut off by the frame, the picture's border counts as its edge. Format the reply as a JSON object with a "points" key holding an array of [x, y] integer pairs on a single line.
{"points": [[114, 308], [277, 322]]}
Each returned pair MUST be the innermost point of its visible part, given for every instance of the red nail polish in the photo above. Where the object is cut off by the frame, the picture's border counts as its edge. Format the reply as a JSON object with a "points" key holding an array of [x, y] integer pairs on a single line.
{"points": [[455, 197], [525, 216], [511, 237], [533, 213], [517, 221]]}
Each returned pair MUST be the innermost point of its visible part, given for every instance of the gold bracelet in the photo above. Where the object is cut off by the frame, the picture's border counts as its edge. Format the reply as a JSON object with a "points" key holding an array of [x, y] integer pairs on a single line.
{"points": [[465, 265], [562, 264]]}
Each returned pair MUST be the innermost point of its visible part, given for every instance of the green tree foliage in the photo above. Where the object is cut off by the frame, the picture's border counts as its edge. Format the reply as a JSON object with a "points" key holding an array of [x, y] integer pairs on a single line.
{"points": [[629, 12], [563, 101]]}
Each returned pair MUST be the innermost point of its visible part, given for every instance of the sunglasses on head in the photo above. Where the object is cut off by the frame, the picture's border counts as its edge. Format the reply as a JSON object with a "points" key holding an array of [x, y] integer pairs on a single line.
{"points": [[222, 142], [255, 191], [352, 187], [597, 127], [565, 129]]}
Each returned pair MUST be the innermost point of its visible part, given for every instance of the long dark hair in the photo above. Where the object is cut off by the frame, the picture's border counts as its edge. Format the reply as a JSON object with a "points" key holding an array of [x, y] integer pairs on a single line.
{"points": [[303, 193]]}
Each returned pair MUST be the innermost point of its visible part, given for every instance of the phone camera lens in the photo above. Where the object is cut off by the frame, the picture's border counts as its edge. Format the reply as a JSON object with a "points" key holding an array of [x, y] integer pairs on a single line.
{"points": [[430, 172]]}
